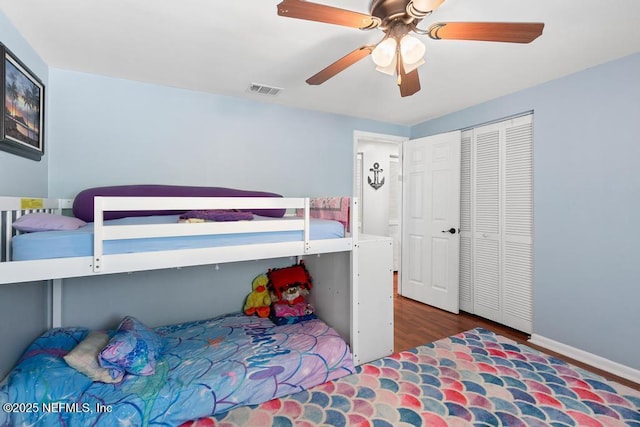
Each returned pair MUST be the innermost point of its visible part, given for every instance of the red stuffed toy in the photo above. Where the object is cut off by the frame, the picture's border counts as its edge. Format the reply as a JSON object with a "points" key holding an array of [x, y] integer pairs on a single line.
{"points": [[289, 288], [289, 285]]}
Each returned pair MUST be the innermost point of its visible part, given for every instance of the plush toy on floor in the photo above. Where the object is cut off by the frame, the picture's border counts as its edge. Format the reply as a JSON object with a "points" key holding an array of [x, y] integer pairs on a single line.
{"points": [[258, 301]]}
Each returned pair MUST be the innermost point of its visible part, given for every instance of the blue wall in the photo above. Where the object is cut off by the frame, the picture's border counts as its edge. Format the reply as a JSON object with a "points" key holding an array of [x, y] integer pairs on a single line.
{"points": [[23, 312], [106, 131], [586, 204], [20, 176]]}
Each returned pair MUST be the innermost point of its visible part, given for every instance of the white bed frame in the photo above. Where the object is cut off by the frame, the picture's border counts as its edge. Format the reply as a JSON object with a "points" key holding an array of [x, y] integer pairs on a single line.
{"points": [[56, 270], [26, 271]]}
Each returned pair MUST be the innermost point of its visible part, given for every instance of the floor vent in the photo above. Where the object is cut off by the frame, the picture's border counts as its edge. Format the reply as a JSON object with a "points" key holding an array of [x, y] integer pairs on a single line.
{"points": [[264, 89]]}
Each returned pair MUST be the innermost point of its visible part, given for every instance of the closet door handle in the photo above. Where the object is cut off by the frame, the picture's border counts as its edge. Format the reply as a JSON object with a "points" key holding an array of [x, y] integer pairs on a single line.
{"points": [[451, 230]]}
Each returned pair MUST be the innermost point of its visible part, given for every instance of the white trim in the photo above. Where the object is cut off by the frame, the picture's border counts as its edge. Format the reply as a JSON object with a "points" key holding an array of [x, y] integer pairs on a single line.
{"points": [[358, 136], [380, 137], [589, 358], [370, 136]]}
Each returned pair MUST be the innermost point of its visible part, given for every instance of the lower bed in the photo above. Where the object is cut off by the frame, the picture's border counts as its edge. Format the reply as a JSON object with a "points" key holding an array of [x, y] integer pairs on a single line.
{"points": [[207, 367], [475, 378]]}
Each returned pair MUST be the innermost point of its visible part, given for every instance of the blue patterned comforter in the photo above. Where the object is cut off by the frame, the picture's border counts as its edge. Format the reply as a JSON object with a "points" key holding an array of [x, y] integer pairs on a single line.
{"points": [[207, 367]]}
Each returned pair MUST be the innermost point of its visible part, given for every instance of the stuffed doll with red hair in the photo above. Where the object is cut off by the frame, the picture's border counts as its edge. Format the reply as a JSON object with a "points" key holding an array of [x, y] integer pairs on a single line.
{"points": [[289, 288]]}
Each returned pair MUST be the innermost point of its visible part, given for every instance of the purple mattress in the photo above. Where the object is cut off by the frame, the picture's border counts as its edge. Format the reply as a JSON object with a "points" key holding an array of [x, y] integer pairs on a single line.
{"points": [[83, 202]]}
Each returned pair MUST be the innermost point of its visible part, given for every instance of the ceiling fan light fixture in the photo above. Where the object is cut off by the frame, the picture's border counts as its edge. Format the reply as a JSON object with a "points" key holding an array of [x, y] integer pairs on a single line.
{"points": [[410, 67], [385, 52], [389, 69], [421, 8], [412, 49]]}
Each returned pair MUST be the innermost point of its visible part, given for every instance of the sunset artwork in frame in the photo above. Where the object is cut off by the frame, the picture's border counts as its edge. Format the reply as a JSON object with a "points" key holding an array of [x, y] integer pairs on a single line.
{"points": [[22, 124]]}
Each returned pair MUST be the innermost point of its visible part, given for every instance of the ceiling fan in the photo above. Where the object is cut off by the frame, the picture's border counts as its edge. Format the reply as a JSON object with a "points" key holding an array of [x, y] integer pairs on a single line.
{"points": [[399, 52]]}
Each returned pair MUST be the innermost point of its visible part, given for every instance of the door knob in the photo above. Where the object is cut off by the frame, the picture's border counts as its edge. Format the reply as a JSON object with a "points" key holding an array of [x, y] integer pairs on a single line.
{"points": [[451, 230]]}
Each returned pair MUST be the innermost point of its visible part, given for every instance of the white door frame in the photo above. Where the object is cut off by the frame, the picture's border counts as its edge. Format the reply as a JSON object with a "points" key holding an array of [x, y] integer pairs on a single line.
{"points": [[374, 137], [359, 135]]}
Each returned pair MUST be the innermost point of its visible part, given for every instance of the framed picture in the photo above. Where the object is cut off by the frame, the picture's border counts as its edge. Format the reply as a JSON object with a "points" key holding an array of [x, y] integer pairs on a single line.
{"points": [[22, 124]]}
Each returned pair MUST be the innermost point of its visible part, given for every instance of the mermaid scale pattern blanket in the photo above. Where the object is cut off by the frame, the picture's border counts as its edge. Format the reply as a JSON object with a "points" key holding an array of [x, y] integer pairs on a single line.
{"points": [[475, 378], [206, 367]]}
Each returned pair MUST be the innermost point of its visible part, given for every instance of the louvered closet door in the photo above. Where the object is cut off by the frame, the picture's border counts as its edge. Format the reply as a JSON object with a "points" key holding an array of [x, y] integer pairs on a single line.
{"points": [[466, 284], [517, 234], [486, 222], [496, 221], [359, 162]]}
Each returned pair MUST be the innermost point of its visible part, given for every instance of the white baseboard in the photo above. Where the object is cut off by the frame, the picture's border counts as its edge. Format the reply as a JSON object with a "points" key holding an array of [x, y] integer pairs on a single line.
{"points": [[599, 362]]}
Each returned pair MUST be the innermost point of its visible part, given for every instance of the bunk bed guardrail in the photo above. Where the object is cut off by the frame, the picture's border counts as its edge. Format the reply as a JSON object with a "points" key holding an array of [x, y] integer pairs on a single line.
{"points": [[99, 263], [12, 208]]}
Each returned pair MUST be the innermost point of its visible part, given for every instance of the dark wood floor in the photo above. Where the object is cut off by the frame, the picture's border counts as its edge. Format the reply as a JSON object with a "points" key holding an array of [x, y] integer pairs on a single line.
{"points": [[417, 324]]}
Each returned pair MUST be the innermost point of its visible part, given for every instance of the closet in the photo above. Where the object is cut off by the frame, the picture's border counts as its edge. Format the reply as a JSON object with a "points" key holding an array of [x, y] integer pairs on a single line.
{"points": [[496, 222]]}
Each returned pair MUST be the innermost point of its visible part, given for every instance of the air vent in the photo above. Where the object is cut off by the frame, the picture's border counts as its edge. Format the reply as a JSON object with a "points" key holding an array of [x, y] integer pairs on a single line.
{"points": [[264, 89]]}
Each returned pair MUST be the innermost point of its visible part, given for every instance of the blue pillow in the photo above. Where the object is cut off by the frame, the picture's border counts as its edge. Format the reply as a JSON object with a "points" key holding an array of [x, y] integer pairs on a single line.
{"points": [[133, 349]]}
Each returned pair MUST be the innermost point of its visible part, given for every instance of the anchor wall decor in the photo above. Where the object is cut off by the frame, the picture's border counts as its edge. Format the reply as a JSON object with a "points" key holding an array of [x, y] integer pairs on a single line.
{"points": [[377, 181]]}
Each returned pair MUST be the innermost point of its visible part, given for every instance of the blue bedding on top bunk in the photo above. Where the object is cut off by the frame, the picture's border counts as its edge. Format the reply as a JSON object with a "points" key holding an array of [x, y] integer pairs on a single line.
{"points": [[77, 243], [206, 367]]}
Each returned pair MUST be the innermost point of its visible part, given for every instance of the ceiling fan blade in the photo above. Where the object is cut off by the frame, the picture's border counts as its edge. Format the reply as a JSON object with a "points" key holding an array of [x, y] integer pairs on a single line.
{"points": [[338, 66], [331, 15], [409, 82], [510, 32]]}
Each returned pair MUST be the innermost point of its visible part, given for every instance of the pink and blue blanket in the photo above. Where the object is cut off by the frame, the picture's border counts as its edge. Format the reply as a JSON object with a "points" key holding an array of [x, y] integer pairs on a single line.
{"points": [[206, 367]]}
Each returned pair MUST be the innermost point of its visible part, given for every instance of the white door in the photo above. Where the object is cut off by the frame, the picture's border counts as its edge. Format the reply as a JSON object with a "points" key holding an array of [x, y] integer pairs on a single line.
{"points": [[431, 220]]}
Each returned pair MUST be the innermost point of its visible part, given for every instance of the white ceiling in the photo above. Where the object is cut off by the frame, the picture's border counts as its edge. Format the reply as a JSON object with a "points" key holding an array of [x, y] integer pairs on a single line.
{"points": [[223, 46]]}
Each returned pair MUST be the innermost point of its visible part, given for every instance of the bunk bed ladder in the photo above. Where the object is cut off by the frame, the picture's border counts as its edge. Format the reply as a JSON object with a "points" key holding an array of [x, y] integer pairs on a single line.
{"points": [[355, 280]]}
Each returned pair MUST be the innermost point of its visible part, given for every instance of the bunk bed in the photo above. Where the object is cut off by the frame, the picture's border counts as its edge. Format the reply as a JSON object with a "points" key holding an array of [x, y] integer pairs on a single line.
{"points": [[158, 239], [296, 240], [128, 244]]}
